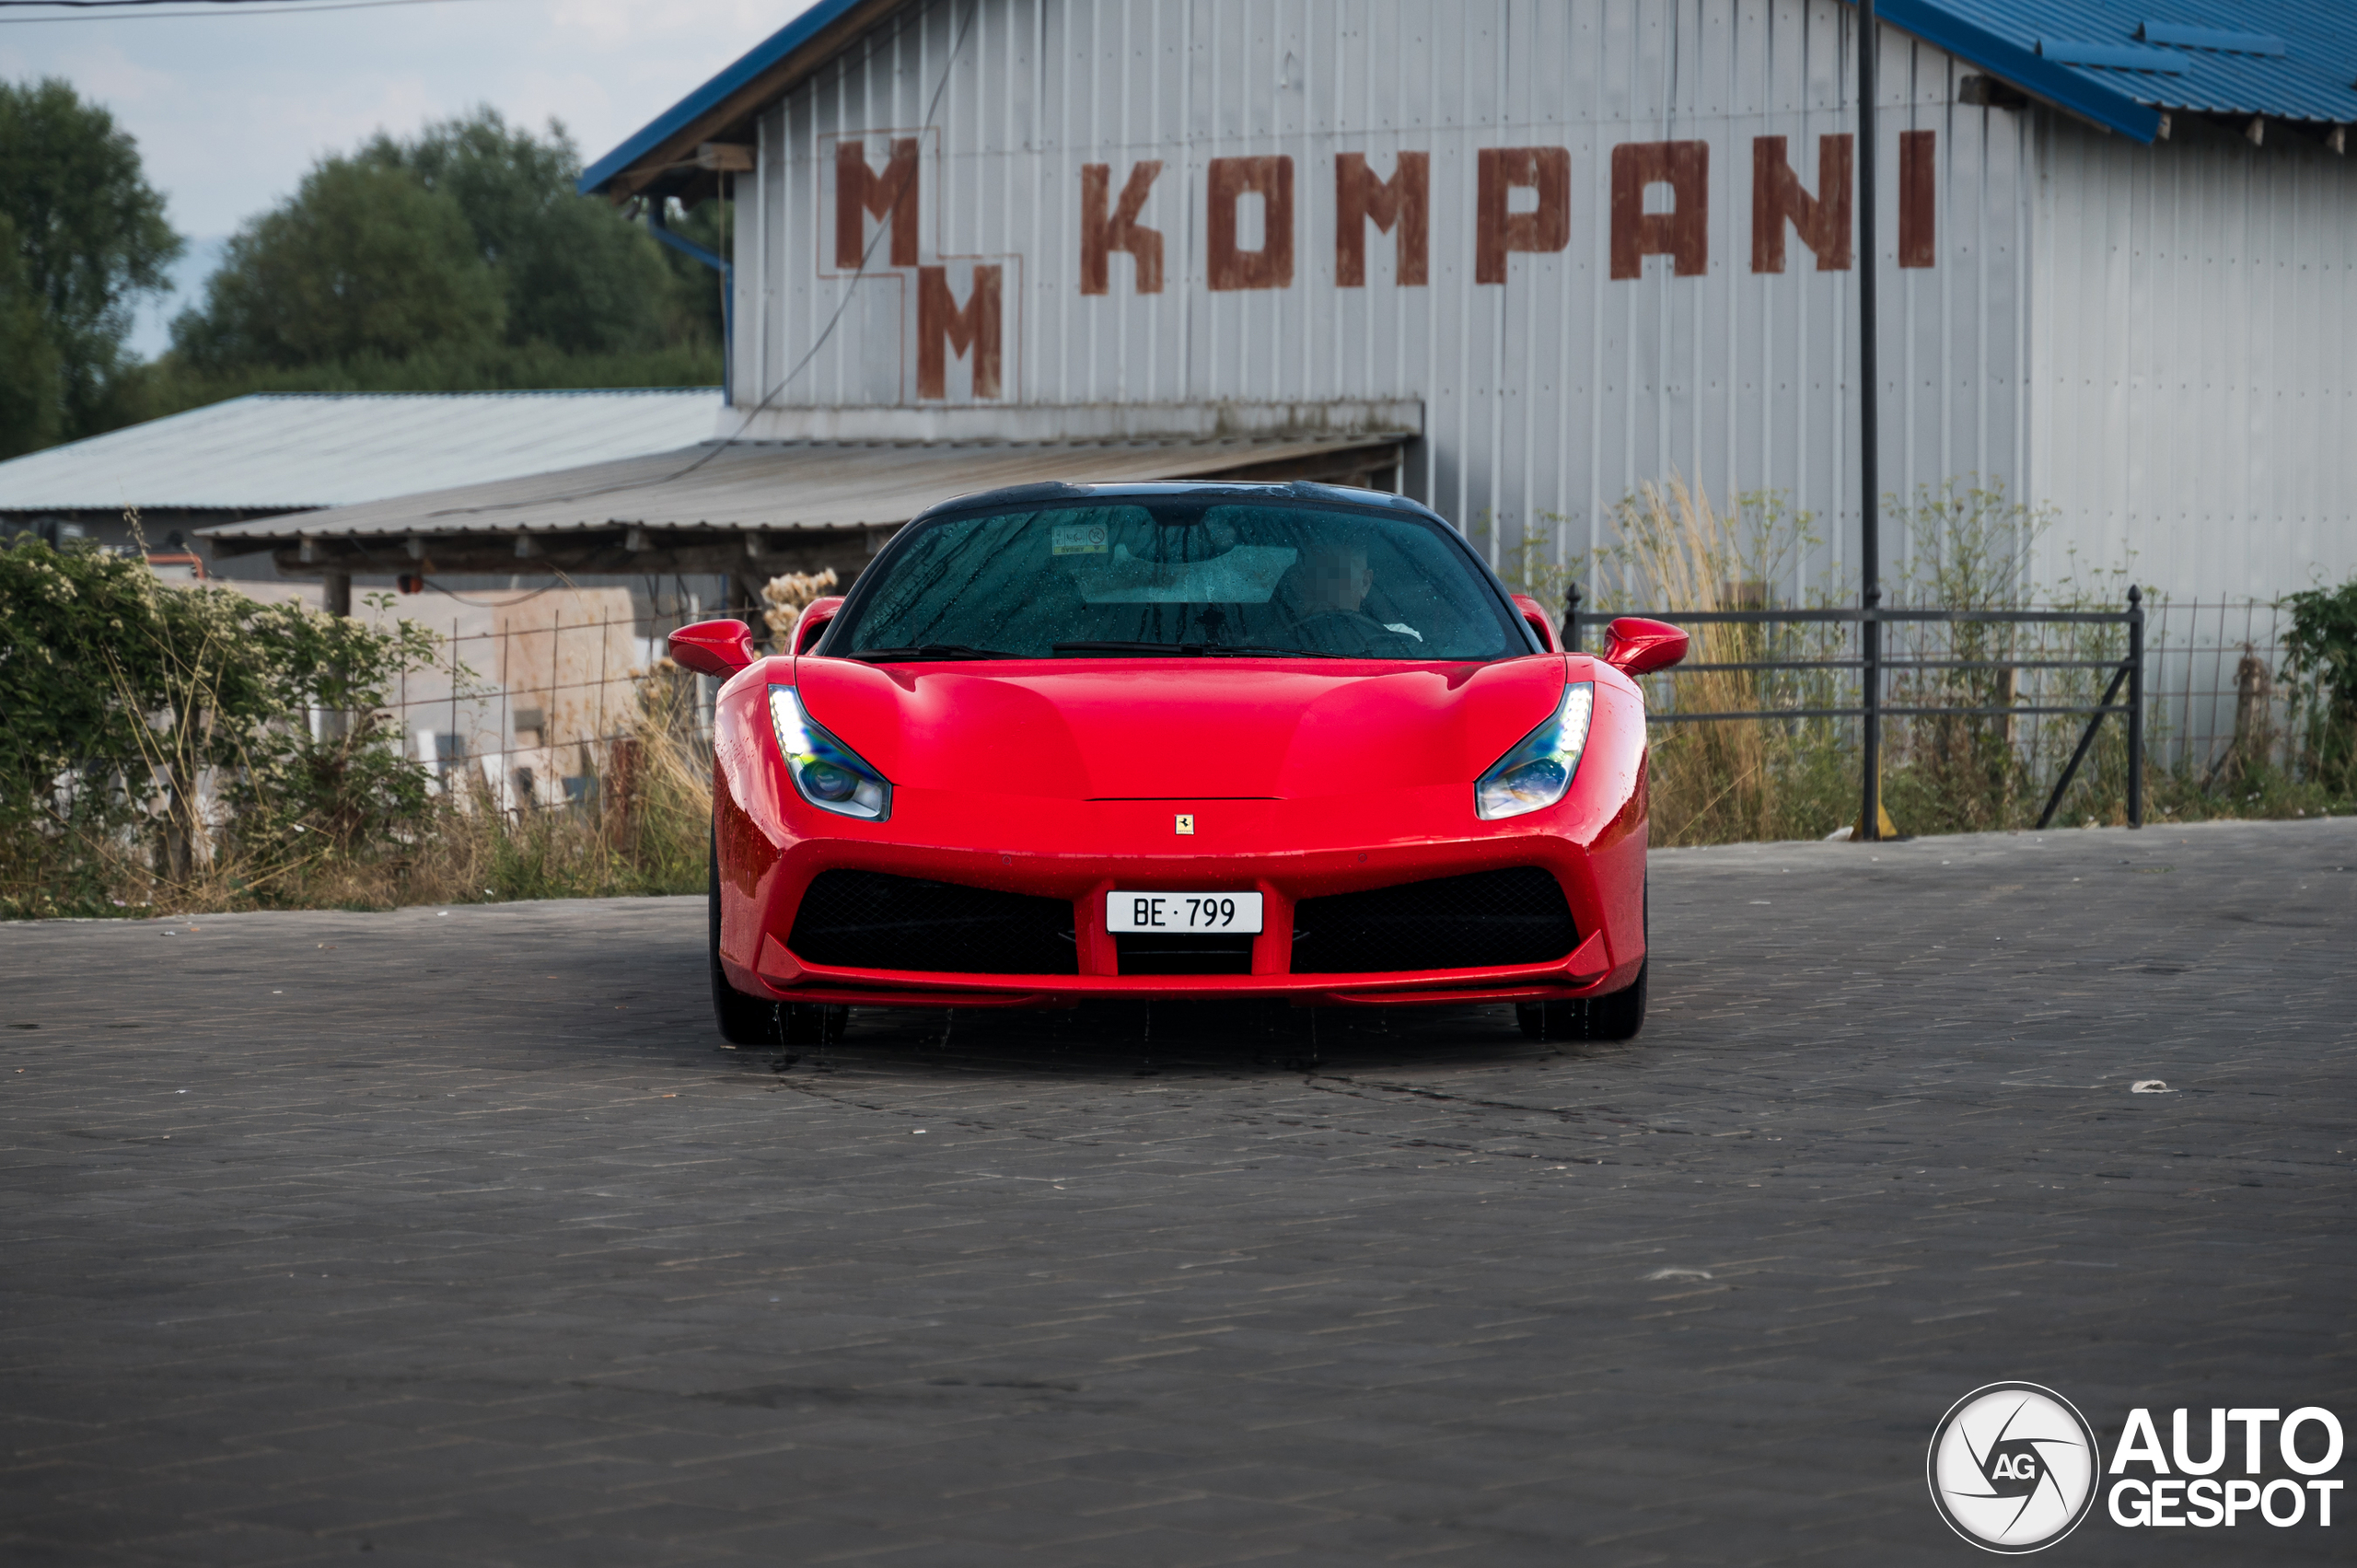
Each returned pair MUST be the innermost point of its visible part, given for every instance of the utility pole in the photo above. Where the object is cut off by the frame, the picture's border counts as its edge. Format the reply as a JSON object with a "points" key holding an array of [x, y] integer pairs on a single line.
{"points": [[1869, 435]]}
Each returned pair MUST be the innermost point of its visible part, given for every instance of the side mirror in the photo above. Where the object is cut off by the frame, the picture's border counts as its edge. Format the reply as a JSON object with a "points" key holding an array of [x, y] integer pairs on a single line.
{"points": [[1634, 646], [813, 621], [713, 647], [1535, 613]]}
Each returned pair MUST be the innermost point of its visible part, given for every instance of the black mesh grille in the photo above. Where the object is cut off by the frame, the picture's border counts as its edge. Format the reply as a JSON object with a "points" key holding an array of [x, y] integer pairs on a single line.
{"points": [[865, 919], [1453, 923], [1181, 953]]}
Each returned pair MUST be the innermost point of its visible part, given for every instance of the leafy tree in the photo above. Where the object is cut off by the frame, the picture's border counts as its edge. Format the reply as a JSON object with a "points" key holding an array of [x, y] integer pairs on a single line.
{"points": [[362, 260], [576, 274], [89, 234], [460, 258], [28, 410], [2321, 648], [119, 692]]}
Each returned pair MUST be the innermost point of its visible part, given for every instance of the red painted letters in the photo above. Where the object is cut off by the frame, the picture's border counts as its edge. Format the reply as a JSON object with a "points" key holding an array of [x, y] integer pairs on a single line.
{"points": [[1918, 242], [1778, 197], [1270, 266], [1100, 235], [861, 192], [1683, 233], [1496, 231], [944, 329], [1397, 206]]}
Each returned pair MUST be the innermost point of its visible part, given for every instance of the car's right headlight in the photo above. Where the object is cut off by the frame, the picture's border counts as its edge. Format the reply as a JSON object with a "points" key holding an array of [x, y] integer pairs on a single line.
{"points": [[829, 775], [1538, 773]]}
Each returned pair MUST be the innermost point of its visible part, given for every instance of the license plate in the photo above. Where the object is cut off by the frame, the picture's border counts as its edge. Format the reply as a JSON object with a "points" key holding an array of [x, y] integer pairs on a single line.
{"points": [[1182, 912]]}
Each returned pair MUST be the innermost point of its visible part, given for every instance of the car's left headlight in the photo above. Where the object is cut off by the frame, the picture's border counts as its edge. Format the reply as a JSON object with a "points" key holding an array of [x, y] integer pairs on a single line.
{"points": [[1538, 772], [829, 775]]}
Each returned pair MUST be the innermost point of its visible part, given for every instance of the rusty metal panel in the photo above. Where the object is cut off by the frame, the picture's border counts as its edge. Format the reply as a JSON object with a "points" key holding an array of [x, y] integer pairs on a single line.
{"points": [[1615, 350]]}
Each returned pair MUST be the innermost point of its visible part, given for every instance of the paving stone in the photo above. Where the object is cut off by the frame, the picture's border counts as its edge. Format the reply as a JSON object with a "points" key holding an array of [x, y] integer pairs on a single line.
{"points": [[460, 1235]]}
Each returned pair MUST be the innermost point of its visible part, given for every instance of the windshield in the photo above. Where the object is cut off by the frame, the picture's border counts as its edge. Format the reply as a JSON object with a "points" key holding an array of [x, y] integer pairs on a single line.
{"points": [[1179, 576]]}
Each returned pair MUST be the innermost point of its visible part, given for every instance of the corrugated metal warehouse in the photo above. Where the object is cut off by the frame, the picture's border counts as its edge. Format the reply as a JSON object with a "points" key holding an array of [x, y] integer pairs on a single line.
{"points": [[1598, 241]]}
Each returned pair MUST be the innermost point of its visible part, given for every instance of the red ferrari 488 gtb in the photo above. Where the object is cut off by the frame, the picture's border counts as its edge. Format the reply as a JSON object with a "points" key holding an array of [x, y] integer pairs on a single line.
{"points": [[1164, 741]]}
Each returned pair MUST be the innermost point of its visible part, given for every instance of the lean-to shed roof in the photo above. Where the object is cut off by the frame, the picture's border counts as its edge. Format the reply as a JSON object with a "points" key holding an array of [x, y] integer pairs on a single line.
{"points": [[290, 451]]}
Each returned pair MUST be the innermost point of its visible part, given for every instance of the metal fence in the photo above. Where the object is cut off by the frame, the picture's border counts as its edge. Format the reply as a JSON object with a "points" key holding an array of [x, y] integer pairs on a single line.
{"points": [[1892, 662], [2217, 688], [2198, 686], [530, 714], [532, 711]]}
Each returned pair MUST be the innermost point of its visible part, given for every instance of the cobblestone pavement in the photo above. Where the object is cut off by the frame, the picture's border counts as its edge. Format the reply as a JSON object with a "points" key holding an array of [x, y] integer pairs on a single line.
{"points": [[455, 1236]]}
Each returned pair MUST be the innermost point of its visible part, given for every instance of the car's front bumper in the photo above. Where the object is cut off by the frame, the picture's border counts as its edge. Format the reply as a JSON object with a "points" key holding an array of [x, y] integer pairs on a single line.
{"points": [[1602, 885], [772, 845]]}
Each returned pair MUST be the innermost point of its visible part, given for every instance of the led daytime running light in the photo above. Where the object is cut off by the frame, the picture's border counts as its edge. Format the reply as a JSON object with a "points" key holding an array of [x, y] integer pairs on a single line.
{"points": [[1538, 773], [826, 772]]}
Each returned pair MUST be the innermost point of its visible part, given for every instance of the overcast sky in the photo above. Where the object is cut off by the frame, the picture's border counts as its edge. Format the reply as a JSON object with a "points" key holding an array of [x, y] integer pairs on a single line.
{"points": [[230, 108]]}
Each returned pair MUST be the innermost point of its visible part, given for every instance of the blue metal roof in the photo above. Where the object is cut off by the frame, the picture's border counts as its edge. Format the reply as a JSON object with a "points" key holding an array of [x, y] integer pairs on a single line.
{"points": [[773, 49], [2284, 58], [2119, 62]]}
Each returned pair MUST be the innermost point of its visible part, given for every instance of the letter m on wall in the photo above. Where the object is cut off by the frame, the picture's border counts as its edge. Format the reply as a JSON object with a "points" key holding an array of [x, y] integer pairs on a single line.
{"points": [[947, 331], [861, 194]]}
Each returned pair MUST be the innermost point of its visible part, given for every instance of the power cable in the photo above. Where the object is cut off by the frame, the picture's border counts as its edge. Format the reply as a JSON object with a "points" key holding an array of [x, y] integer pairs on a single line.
{"points": [[714, 450], [222, 8]]}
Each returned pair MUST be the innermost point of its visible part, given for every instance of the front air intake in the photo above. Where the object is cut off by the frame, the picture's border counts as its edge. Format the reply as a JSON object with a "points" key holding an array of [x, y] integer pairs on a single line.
{"points": [[1206, 952], [1452, 923], [865, 920]]}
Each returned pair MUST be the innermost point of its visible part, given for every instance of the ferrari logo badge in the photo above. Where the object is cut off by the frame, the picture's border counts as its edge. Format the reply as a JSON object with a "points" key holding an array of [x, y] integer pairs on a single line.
{"points": [[1186, 822]]}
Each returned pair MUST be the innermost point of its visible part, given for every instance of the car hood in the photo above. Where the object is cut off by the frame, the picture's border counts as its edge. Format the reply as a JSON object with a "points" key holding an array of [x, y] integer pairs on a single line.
{"points": [[1108, 729]]}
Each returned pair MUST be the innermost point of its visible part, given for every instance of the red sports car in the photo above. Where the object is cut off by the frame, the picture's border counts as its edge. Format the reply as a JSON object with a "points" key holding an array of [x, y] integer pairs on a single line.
{"points": [[1178, 741]]}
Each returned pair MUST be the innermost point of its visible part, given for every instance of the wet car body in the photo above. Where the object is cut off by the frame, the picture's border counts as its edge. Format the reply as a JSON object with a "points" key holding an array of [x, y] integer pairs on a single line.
{"points": [[1021, 794]]}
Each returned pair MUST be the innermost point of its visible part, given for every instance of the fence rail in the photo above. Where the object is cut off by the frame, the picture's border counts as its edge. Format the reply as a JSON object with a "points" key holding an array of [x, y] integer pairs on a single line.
{"points": [[2211, 686], [1873, 703], [535, 710]]}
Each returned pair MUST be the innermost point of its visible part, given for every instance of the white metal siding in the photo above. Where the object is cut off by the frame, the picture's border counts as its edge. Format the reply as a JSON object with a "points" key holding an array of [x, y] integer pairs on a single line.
{"points": [[1550, 397], [2194, 363]]}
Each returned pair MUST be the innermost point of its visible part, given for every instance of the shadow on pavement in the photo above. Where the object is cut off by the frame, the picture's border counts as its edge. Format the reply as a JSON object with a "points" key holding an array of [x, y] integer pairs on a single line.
{"points": [[1171, 1040]]}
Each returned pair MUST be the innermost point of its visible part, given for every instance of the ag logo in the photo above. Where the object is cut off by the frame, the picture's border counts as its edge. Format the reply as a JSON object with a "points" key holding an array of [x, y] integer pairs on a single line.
{"points": [[2014, 1467]]}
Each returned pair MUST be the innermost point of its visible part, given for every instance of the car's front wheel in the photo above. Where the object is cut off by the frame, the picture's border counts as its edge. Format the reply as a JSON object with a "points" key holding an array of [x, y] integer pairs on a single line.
{"points": [[1617, 1016], [753, 1020]]}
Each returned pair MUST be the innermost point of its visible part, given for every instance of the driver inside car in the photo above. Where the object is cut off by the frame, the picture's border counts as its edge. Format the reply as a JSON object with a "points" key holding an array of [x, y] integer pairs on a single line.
{"points": [[1333, 582], [1338, 578]]}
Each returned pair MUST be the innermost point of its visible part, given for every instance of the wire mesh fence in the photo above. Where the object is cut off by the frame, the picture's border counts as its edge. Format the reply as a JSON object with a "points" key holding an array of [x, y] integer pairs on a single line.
{"points": [[1990, 717], [2217, 690], [2214, 682], [532, 713]]}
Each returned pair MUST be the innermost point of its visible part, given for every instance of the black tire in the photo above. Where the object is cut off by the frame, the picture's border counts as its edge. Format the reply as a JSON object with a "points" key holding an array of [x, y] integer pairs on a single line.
{"points": [[753, 1020], [1621, 1014], [1617, 1016]]}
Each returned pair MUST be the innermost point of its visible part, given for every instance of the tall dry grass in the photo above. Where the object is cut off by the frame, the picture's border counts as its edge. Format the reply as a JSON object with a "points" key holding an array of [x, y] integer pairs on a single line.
{"points": [[1740, 779], [1681, 549], [1959, 545], [643, 828]]}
